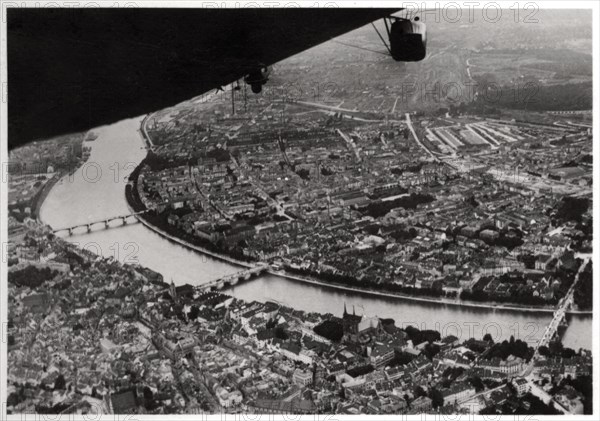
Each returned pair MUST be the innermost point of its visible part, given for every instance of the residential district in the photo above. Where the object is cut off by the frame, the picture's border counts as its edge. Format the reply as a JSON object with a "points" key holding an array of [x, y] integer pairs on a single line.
{"points": [[89, 335], [457, 207]]}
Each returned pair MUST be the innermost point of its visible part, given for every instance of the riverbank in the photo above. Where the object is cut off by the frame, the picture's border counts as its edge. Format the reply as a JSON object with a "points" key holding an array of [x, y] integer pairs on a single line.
{"points": [[38, 201], [315, 281], [136, 207], [144, 132], [191, 246], [320, 283], [440, 300]]}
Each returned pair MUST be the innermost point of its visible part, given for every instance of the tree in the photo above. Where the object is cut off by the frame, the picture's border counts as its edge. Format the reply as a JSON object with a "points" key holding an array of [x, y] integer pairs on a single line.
{"points": [[571, 209], [437, 399], [583, 384], [281, 333], [331, 330], [420, 391], [402, 359], [503, 350], [477, 383], [194, 313], [13, 400], [303, 173], [431, 350], [148, 398], [31, 276], [556, 347], [361, 370], [60, 383], [417, 336]]}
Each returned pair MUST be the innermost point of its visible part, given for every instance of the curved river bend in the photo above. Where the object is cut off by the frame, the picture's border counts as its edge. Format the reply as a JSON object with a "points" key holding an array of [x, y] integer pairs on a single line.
{"points": [[96, 191]]}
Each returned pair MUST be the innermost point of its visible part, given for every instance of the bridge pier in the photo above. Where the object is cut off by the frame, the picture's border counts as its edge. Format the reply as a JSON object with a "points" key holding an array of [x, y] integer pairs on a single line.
{"points": [[106, 224], [124, 219], [70, 231], [89, 228]]}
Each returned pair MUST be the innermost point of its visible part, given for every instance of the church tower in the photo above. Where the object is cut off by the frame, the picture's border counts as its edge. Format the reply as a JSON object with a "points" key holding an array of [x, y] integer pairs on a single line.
{"points": [[173, 291], [350, 321]]}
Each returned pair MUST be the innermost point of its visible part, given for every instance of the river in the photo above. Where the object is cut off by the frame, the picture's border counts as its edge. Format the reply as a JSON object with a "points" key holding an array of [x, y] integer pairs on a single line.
{"points": [[96, 191]]}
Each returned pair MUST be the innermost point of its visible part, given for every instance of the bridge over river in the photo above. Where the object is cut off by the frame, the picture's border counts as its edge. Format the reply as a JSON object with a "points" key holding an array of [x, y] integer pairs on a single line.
{"points": [[549, 334], [106, 221], [232, 279], [122, 143], [557, 319]]}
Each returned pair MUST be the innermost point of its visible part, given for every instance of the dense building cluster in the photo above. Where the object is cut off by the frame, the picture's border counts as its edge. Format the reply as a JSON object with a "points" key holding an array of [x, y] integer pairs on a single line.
{"points": [[377, 203], [348, 170], [90, 335]]}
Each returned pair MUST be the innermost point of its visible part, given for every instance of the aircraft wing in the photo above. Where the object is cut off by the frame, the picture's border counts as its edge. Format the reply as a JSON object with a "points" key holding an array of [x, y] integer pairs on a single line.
{"points": [[70, 70]]}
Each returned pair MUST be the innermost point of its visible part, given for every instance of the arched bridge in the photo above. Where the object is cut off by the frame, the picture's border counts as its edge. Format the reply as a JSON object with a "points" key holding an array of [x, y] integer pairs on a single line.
{"points": [[233, 279], [106, 222]]}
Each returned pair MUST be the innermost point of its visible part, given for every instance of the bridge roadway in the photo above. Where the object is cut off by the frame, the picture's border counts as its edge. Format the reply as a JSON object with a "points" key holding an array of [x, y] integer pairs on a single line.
{"points": [[105, 221], [233, 279]]}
